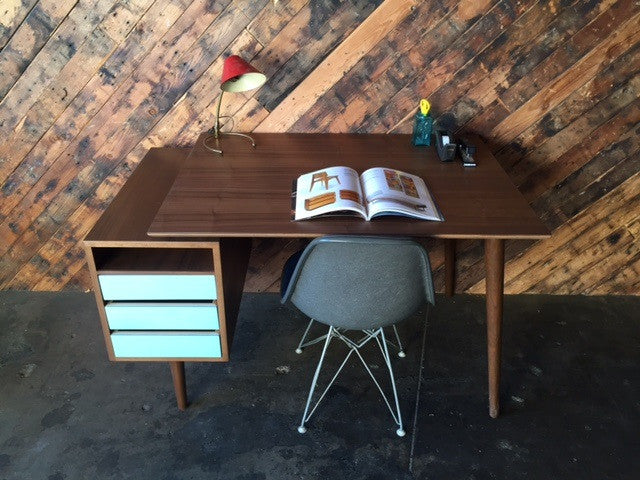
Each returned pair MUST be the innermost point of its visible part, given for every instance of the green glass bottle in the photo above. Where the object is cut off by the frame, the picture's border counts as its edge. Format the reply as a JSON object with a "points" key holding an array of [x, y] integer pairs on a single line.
{"points": [[423, 125]]}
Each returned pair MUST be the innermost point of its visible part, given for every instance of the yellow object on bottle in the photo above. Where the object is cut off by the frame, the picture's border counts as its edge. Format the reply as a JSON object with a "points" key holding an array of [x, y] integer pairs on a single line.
{"points": [[425, 106]]}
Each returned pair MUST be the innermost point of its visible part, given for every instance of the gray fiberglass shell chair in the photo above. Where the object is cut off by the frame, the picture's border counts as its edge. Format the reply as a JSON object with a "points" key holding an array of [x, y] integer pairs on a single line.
{"points": [[359, 284], [287, 271]]}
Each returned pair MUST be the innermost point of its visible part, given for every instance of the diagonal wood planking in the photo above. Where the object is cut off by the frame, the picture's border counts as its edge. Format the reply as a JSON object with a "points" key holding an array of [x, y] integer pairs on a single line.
{"points": [[87, 87]]}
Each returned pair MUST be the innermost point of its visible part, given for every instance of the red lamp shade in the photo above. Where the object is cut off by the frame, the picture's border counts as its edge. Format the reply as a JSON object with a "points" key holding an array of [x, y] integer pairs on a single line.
{"points": [[240, 76]]}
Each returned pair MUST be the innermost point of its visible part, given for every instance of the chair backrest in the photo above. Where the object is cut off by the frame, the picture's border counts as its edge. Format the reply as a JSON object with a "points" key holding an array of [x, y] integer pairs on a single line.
{"points": [[361, 282]]}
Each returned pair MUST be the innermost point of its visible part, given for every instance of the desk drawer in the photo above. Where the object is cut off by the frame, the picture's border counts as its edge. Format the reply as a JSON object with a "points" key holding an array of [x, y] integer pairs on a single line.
{"points": [[162, 316], [166, 345], [157, 287]]}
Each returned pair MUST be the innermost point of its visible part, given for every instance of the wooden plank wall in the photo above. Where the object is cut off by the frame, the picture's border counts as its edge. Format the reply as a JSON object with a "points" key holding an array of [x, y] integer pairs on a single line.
{"points": [[87, 86]]}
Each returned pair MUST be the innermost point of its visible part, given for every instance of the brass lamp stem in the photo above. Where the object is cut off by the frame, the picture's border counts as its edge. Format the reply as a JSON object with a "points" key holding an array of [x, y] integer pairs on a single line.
{"points": [[216, 128], [217, 133]]}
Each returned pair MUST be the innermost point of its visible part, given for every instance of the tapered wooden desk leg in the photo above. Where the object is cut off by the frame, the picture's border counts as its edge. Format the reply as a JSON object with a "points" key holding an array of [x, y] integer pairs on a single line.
{"points": [[449, 266], [179, 384], [494, 264]]}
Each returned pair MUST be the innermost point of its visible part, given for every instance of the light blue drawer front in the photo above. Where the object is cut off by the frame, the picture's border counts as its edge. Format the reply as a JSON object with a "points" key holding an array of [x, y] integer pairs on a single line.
{"points": [[166, 345], [158, 287], [162, 316]]}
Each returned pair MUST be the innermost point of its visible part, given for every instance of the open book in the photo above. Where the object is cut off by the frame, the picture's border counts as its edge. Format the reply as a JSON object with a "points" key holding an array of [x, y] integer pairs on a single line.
{"points": [[377, 192]]}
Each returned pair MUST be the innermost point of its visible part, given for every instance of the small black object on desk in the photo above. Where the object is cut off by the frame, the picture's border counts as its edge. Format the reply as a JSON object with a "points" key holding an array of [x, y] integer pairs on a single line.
{"points": [[467, 152], [447, 149], [445, 146]]}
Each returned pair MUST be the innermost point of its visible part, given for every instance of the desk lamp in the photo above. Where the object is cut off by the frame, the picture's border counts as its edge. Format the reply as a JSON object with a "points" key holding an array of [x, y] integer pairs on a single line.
{"points": [[237, 76]]}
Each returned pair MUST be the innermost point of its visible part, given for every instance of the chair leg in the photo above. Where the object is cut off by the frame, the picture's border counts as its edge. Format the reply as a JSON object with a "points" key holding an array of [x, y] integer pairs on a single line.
{"points": [[399, 346], [400, 431], [381, 341], [304, 336], [302, 428], [401, 353]]}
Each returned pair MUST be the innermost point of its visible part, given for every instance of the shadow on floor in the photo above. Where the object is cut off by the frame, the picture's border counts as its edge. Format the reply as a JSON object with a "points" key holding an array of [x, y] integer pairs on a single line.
{"points": [[570, 398]]}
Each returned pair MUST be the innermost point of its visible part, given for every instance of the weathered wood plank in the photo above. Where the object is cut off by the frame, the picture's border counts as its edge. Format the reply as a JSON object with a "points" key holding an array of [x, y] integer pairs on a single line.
{"points": [[347, 105], [46, 109], [267, 259], [284, 44], [226, 27], [348, 99], [28, 39], [485, 102], [172, 87], [523, 43], [361, 40], [196, 109], [474, 273], [626, 280], [40, 105], [594, 263], [12, 14], [57, 51], [619, 163], [42, 270], [568, 240], [442, 69], [560, 88], [65, 241], [327, 26], [80, 282], [71, 79], [110, 119], [87, 103], [624, 147], [154, 81], [579, 38], [552, 134], [591, 142], [273, 18]]}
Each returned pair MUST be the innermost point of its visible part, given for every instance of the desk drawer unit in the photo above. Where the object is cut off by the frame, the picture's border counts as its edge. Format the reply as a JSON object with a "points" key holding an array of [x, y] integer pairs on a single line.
{"points": [[166, 298], [157, 287], [162, 316], [166, 344]]}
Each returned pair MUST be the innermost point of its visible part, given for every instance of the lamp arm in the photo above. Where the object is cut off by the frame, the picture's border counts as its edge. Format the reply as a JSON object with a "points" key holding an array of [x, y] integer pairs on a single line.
{"points": [[217, 133], [216, 127]]}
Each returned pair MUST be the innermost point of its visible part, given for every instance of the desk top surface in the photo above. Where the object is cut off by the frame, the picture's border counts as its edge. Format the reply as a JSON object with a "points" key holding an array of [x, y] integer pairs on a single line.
{"points": [[246, 192]]}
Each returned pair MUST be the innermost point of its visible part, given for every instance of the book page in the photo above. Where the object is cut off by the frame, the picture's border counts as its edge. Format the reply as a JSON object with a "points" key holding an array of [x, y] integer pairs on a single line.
{"points": [[392, 192], [332, 189]]}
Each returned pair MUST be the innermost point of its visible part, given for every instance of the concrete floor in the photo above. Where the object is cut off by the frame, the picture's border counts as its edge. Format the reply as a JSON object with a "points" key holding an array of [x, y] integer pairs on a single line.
{"points": [[570, 398]]}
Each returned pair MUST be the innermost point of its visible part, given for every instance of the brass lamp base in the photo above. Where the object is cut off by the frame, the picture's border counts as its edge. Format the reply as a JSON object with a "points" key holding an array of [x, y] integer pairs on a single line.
{"points": [[216, 137]]}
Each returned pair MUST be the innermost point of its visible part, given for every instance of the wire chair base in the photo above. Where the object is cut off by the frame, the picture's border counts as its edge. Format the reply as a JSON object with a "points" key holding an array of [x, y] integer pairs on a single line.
{"points": [[302, 344], [379, 337]]}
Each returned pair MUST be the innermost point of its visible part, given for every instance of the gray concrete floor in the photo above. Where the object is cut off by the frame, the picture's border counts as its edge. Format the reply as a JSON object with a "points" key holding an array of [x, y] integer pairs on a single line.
{"points": [[570, 398]]}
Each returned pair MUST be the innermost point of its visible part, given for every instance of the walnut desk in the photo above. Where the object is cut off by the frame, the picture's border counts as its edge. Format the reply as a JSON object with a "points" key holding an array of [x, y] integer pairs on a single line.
{"points": [[162, 299], [246, 193]]}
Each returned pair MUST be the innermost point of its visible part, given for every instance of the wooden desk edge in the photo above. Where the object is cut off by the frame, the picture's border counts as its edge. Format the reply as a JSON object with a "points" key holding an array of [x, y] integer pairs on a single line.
{"points": [[537, 236]]}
